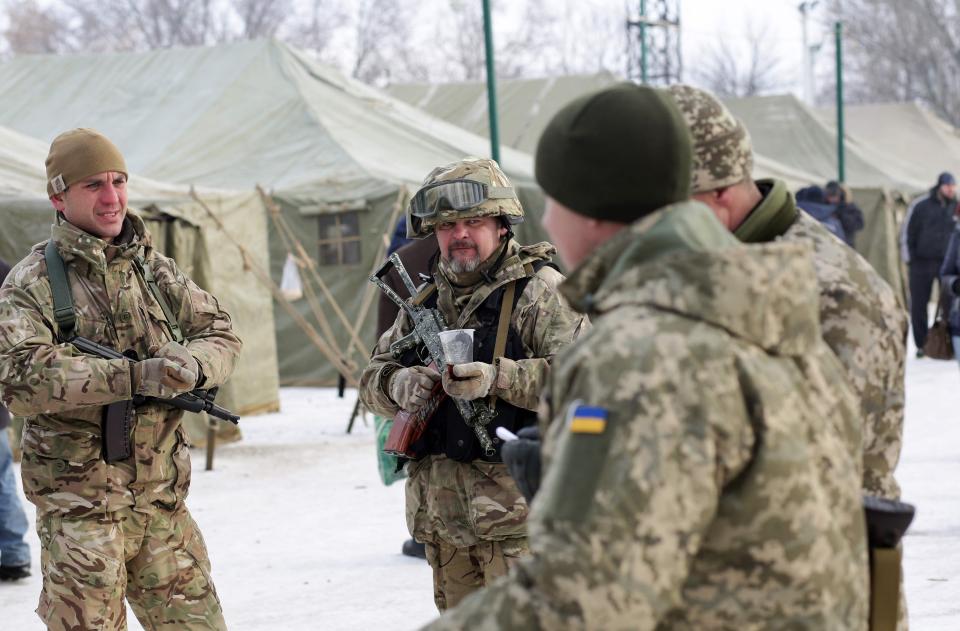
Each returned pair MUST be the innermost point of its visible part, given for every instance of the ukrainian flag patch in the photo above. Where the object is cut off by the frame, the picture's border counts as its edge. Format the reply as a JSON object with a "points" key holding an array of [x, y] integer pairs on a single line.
{"points": [[588, 419]]}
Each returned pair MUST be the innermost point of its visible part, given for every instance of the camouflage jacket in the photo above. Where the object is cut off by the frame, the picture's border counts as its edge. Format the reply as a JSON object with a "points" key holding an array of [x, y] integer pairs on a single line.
{"points": [[543, 320], [698, 463], [63, 392], [861, 321]]}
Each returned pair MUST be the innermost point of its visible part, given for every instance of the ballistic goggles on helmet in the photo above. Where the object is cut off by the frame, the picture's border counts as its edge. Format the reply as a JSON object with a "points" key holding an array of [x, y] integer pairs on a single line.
{"points": [[455, 195]]}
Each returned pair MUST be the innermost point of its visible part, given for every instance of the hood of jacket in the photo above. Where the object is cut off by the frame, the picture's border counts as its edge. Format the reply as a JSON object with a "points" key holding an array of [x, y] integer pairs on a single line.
{"points": [[681, 259]]}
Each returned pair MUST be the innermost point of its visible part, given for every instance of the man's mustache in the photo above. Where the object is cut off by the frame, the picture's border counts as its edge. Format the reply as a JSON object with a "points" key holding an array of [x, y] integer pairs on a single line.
{"points": [[462, 244]]}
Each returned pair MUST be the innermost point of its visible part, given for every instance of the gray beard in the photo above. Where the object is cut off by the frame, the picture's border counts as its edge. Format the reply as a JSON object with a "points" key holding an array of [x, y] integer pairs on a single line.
{"points": [[459, 266]]}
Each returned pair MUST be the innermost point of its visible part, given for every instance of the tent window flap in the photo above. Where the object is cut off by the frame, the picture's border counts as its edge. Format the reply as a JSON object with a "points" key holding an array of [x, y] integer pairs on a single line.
{"points": [[339, 242]]}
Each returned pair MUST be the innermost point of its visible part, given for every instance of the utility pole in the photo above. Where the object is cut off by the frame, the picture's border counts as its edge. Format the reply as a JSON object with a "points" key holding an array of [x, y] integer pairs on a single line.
{"points": [[491, 83], [838, 34], [653, 43], [808, 90]]}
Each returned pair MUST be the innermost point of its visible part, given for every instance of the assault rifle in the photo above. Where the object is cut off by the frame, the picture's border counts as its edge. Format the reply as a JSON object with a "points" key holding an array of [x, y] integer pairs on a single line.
{"points": [[119, 415], [427, 324]]}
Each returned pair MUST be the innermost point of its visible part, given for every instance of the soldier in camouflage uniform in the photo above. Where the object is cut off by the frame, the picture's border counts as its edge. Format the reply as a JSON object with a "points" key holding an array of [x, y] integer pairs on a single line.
{"points": [[460, 502], [860, 318], [699, 469], [109, 530]]}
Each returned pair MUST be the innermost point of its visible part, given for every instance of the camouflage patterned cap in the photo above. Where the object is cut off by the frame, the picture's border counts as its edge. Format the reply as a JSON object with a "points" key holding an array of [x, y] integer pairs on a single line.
{"points": [[483, 170], [722, 152]]}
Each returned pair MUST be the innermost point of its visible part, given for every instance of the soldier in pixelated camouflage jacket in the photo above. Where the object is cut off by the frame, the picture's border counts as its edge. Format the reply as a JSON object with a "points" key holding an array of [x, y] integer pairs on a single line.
{"points": [[860, 317], [713, 483], [62, 392]]}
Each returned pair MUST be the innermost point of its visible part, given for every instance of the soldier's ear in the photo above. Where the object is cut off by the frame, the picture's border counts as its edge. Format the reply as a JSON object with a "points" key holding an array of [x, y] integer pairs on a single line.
{"points": [[57, 200]]}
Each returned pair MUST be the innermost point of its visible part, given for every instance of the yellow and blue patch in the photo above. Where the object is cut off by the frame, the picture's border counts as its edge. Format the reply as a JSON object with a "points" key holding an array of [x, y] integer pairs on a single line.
{"points": [[588, 419]]}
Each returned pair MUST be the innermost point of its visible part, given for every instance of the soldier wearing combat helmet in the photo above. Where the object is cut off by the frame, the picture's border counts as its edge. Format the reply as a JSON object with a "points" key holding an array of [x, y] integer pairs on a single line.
{"points": [[461, 502], [109, 526]]}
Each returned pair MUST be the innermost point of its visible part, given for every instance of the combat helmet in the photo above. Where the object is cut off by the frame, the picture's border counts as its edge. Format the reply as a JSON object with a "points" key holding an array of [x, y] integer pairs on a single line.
{"points": [[472, 187]]}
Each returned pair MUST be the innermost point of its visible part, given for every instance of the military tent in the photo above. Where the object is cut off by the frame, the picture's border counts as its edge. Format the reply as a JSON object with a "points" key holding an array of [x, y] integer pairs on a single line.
{"points": [[336, 156], [181, 228]]}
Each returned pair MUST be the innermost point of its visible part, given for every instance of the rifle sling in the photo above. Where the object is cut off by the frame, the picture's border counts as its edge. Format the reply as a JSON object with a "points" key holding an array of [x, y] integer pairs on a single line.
{"points": [[503, 328], [63, 311]]}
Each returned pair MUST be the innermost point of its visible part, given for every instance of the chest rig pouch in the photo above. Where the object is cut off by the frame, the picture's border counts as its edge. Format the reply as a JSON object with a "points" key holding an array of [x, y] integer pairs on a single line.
{"points": [[447, 433]]}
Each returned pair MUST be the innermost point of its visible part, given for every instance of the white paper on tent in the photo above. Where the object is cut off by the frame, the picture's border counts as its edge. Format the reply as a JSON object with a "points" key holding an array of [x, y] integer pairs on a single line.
{"points": [[290, 284]]}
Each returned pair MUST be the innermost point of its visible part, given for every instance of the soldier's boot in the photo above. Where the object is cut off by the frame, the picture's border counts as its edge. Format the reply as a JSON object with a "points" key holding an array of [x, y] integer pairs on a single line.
{"points": [[413, 548], [14, 572]]}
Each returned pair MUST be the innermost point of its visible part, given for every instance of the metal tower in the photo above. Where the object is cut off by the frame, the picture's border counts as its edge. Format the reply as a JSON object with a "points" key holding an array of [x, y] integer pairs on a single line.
{"points": [[653, 43]]}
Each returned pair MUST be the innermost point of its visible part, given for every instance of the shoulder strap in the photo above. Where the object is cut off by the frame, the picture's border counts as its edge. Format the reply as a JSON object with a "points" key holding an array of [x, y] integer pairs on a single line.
{"points": [[63, 311], [172, 325]]}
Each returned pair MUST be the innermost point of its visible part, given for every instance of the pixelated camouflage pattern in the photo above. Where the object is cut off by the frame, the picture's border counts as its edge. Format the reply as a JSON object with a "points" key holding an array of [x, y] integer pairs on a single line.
{"points": [[724, 492], [62, 392], [722, 152], [866, 328], [545, 324], [158, 560], [482, 170]]}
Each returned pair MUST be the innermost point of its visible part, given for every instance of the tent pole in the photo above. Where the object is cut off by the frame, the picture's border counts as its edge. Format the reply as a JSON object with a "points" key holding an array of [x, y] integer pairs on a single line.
{"points": [[838, 34], [491, 83]]}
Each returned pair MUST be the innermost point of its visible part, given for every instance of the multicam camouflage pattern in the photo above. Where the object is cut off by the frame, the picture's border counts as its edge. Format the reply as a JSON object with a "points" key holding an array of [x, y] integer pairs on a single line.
{"points": [[867, 330], [722, 153], [482, 170], [62, 392], [466, 504], [722, 493], [458, 572], [158, 559]]}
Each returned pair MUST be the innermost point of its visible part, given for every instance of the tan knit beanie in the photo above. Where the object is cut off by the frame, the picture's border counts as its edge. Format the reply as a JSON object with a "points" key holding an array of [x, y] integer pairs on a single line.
{"points": [[80, 153]]}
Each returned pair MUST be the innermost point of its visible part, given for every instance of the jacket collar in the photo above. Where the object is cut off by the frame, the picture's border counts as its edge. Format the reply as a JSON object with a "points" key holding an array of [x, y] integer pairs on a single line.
{"points": [[772, 217]]}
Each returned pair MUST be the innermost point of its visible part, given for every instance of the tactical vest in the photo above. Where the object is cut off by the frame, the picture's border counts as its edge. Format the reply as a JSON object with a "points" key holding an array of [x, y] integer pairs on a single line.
{"points": [[447, 433]]}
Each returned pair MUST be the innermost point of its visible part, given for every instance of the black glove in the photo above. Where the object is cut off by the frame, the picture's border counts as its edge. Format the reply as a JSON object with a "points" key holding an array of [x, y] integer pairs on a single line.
{"points": [[522, 457], [955, 286]]}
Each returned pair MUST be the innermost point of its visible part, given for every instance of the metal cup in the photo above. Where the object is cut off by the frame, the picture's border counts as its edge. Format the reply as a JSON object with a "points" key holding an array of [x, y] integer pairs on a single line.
{"points": [[457, 346]]}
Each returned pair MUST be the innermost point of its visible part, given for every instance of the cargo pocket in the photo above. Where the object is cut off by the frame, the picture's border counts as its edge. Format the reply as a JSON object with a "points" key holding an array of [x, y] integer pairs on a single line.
{"points": [[497, 508], [181, 464], [63, 472], [83, 572], [416, 500]]}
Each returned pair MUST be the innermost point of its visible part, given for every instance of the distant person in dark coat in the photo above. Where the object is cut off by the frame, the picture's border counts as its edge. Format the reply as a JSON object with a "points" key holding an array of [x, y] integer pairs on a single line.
{"points": [[849, 214], [813, 201], [929, 227]]}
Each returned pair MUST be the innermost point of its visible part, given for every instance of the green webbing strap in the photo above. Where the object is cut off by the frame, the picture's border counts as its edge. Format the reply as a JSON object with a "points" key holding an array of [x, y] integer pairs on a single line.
{"points": [[172, 325], [63, 311]]}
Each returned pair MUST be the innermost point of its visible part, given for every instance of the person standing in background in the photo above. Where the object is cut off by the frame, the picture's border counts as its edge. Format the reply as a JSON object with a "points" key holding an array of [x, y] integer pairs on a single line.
{"points": [[14, 551], [929, 226]]}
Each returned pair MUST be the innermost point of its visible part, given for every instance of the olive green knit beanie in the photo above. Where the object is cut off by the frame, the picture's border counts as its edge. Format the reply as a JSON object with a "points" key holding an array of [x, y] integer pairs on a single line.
{"points": [[80, 153], [617, 154]]}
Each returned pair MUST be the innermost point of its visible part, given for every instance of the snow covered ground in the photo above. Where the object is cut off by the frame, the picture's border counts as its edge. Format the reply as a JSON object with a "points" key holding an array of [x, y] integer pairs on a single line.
{"points": [[303, 536]]}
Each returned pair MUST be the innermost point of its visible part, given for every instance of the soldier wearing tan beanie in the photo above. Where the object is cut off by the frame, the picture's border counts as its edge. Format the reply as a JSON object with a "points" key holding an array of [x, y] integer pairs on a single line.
{"points": [[87, 182], [114, 528]]}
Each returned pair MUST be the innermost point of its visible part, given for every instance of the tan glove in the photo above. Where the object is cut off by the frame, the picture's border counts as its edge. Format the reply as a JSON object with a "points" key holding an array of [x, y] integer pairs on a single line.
{"points": [[178, 354], [473, 381], [162, 378], [410, 387]]}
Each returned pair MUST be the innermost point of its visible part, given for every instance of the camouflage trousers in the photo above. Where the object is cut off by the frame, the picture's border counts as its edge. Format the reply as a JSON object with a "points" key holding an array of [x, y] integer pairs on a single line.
{"points": [[458, 572], [472, 518], [156, 557]]}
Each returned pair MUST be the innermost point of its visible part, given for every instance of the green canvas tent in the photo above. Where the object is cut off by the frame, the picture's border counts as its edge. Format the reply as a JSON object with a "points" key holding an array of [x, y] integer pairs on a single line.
{"points": [[336, 156], [181, 228]]}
